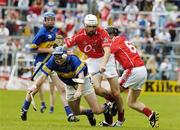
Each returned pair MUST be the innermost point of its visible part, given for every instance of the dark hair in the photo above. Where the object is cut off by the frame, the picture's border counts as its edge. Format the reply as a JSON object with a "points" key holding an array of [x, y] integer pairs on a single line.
{"points": [[113, 30]]}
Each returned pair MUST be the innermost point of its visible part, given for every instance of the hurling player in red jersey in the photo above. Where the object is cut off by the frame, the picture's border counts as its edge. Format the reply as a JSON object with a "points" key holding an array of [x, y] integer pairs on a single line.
{"points": [[134, 75], [95, 43]]}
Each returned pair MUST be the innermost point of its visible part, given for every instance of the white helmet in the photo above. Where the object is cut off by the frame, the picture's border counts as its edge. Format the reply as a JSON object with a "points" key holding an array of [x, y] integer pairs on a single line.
{"points": [[90, 20]]}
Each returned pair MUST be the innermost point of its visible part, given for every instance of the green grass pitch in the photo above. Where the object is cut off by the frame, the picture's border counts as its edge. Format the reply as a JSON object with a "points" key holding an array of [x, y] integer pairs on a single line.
{"points": [[11, 101]]}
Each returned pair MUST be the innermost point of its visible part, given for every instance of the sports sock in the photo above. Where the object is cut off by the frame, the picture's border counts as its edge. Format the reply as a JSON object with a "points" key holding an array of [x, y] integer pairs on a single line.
{"points": [[121, 116], [51, 108], [88, 112], [43, 104], [147, 111], [26, 105], [68, 110], [106, 107], [108, 119]]}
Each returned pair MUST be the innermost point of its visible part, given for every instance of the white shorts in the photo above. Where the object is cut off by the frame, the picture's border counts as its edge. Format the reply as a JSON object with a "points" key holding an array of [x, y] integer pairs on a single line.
{"points": [[70, 90], [93, 65], [134, 78]]}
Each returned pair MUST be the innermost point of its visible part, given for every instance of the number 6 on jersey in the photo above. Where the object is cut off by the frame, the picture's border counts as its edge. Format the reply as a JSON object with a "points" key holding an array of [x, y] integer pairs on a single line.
{"points": [[130, 46]]}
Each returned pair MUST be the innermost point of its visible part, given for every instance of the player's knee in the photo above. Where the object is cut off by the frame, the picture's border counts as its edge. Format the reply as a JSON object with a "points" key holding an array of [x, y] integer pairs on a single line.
{"points": [[34, 89], [130, 104], [97, 90], [52, 91], [33, 92]]}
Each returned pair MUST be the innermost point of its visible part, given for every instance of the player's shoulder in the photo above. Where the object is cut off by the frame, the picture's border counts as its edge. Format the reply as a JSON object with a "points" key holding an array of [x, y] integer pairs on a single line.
{"points": [[81, 31], [51, 59], [100, 29], [42, 31], [73, 57], [55, 29], [119, 38]]}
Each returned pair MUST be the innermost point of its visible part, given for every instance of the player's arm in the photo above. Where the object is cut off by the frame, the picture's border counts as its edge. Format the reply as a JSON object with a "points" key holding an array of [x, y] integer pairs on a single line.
{"points": [[39, 81], [45, 50], [107, 52], [70, 49], [48, 67], [46, 70], [36, 43], [64, 45], [41, 78], [42, 50], [79, 70], [80, 86], [106, 56], [69, 43]]}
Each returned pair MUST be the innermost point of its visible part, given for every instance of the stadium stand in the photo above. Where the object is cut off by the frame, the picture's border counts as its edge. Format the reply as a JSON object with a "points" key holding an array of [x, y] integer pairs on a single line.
{"points": [[153, 28]]}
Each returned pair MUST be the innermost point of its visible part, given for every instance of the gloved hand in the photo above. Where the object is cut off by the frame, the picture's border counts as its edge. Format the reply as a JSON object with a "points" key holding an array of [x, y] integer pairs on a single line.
{"points": [[59, 41]]}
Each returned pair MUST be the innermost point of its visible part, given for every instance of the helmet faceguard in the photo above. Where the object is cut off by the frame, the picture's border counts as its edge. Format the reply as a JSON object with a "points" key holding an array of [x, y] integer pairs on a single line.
{"points": [[90, 22], [60, 55], [49, 18], [48, 14]]}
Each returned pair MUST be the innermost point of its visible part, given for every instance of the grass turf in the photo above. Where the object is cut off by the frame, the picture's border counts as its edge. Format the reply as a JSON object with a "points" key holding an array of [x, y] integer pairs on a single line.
{"points": [[11, 102]]}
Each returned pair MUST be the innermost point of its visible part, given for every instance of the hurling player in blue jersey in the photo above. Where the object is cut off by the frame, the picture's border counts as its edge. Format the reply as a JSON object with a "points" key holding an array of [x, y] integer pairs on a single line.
{"points": [[68, 67], [43, 45]]}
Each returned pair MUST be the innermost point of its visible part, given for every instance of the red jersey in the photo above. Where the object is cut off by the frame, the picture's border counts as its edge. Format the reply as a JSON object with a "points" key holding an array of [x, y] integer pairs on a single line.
{"points": [[92, 46], [125, 53]]}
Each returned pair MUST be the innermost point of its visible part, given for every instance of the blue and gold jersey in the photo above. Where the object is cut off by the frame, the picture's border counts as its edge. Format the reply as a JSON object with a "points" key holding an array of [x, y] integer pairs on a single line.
{"points": [[70, 69], [43, 39]]}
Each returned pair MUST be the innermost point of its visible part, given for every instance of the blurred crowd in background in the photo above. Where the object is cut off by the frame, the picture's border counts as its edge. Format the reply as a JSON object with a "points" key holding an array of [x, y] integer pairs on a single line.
{"points": [[152, 25]]}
